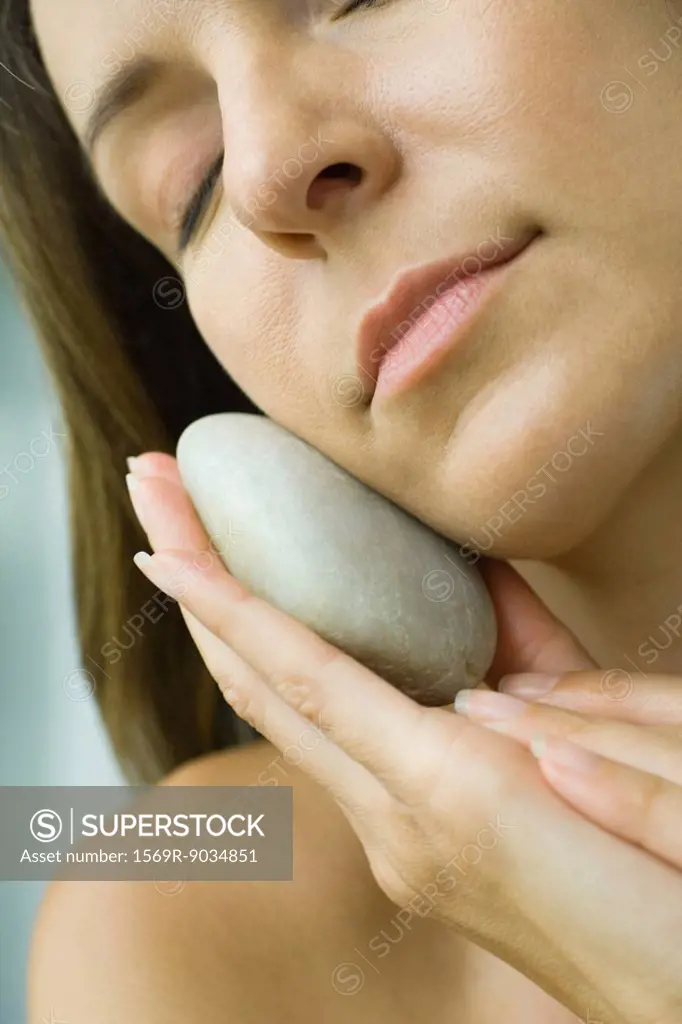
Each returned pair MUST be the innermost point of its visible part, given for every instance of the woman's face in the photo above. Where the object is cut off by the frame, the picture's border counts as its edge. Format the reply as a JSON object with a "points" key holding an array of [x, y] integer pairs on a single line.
{"points": [[363, 140]]}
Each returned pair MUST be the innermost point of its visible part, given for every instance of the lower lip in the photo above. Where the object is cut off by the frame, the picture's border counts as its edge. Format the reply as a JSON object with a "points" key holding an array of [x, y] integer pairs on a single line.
{"points": [[437, 331]]}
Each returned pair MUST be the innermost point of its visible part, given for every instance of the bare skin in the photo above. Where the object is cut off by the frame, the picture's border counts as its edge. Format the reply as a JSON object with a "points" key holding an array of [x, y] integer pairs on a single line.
{"points": [[264, 952], [590, 936], [526, 129], [541, 124]]}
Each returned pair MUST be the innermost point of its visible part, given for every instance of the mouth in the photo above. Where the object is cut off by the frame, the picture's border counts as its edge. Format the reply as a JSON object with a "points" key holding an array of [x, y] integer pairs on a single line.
{"points": [[423, 315]]}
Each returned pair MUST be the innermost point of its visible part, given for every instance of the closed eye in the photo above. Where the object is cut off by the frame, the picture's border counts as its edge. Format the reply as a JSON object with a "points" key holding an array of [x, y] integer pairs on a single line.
{"points": [[356, 5], [195, 210]]}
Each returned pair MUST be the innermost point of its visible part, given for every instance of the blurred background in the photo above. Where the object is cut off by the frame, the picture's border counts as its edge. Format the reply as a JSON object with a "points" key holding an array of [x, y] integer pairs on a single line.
{"points": [[49, 727]]}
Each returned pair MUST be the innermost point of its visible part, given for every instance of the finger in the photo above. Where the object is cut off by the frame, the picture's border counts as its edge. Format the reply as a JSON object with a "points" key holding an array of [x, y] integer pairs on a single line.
{"points": [[169, 517], [614, 693], [651, 750], [369, 719], [157, 489], [303, 743], [158, 464], [635, 805], [530, 637], [166, 513]]}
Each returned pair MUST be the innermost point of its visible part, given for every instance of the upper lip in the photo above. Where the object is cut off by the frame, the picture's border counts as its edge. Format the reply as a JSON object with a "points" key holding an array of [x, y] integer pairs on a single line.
{"points": [[377, 332]]}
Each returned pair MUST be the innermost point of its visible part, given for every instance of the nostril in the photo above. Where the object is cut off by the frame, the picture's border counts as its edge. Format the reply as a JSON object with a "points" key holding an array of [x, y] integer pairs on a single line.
{"points": [[339, 177], [350, 172]]}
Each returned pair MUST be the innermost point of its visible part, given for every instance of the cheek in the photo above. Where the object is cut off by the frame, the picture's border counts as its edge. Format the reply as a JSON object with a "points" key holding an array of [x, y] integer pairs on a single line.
{"points": [[277, 329], [590, 131], [473, 72], [534, 90], [242, 301]]}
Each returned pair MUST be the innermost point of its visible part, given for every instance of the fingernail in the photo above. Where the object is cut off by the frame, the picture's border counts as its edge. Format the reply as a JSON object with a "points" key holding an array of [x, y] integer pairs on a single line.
{"points": [[528, 685], [142, 559], [131, 462], [561, 753], [166, 570], [487, 705], [149, 567]]}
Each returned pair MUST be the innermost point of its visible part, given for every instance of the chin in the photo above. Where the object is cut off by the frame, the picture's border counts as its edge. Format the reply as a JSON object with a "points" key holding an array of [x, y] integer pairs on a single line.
{"points": [[533, 518], [528, 449], [533, 493], [513, 529]]}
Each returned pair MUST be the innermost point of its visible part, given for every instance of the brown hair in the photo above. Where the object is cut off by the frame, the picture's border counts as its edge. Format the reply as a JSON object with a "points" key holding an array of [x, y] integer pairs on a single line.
{"points": [[131, 373]]}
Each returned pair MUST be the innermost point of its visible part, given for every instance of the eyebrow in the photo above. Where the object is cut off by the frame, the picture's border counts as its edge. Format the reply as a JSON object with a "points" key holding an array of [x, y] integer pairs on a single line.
{"points": [[128, 85]]}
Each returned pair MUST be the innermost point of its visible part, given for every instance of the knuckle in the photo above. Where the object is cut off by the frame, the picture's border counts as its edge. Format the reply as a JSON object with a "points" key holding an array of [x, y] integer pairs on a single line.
{"points": [[580, 681], [650, 807], [245, 701], [305, 691], [326, 656], [301, 694], [245, 706]]}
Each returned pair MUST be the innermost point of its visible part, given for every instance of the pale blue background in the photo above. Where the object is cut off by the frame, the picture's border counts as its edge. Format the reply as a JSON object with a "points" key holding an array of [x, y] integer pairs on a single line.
{"points": [[46, 736]]}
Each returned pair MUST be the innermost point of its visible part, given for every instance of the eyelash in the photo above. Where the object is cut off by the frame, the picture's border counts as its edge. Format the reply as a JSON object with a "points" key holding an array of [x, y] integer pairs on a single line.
{"points": [[357, 4], [196, 208]]}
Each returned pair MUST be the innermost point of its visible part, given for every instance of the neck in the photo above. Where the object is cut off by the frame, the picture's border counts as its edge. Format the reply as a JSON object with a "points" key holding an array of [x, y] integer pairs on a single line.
{"points": [[621, 591]]}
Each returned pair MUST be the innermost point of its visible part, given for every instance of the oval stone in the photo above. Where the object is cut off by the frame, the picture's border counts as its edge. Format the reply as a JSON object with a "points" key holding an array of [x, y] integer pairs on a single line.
{"points": [[321, 545]]}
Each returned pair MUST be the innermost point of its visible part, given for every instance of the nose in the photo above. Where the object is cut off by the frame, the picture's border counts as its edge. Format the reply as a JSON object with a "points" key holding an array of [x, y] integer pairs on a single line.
{"points": [[296, 168]]}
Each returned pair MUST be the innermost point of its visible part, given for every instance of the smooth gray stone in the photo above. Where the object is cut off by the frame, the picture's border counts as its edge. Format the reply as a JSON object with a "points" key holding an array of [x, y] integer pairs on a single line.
{"points": [[319, 544]]}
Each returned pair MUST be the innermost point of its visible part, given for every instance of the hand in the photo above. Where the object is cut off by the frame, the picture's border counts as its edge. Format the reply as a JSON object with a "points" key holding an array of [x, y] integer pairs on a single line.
{"points": [[610, 746], [456, 818]]}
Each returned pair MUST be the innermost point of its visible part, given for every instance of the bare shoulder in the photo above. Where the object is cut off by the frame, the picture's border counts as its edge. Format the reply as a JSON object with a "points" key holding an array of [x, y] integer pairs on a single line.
{"points": [[103, 952]]}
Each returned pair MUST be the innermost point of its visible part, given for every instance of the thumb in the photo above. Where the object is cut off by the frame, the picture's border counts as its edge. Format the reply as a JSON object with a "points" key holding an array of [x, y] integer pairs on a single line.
{"points": [[530, 637]]}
